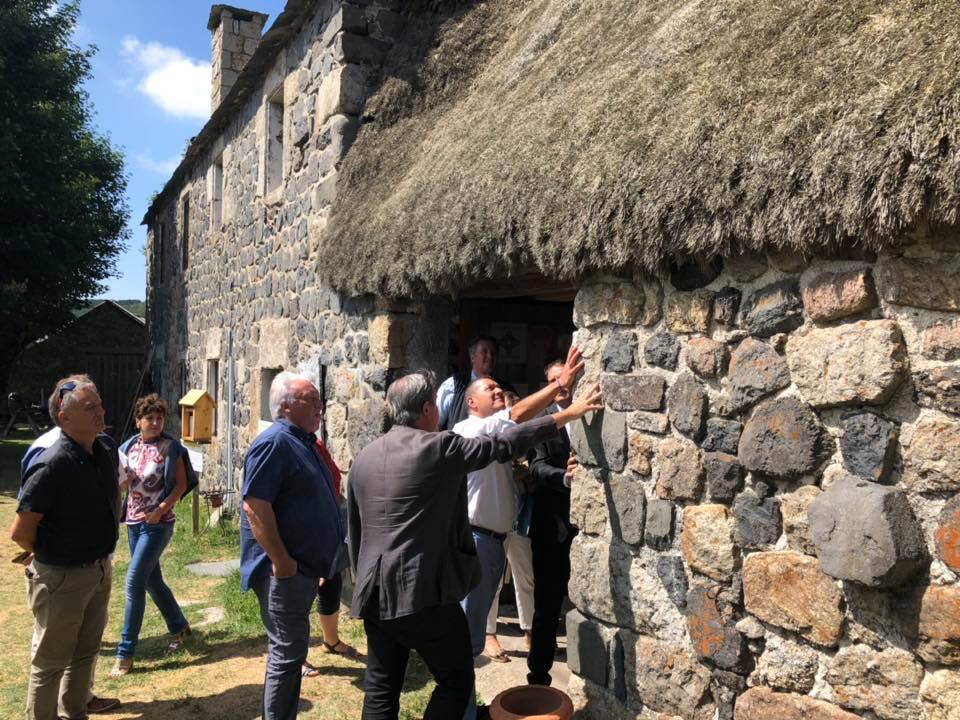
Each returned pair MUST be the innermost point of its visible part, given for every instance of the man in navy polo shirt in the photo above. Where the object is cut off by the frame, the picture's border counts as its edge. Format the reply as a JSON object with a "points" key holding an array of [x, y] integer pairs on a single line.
{"points": [[291, 534]]}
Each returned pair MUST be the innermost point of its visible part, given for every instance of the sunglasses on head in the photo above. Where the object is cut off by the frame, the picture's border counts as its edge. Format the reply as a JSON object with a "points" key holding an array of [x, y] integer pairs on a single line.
{"points": [[68, 386]]}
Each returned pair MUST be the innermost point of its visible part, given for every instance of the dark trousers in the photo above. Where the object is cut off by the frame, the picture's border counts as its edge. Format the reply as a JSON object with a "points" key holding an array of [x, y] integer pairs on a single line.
{"points": [[551, 573], [441, 638], [285, 611]]}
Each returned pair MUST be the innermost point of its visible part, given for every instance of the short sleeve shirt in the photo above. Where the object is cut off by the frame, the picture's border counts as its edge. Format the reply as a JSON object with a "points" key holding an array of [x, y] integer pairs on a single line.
{"points": [[283, 468], [491, 492], [76, 493]]}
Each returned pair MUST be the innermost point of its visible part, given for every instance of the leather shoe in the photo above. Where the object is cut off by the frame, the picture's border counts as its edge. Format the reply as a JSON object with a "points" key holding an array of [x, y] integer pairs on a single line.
{"points": [[102, 704]]}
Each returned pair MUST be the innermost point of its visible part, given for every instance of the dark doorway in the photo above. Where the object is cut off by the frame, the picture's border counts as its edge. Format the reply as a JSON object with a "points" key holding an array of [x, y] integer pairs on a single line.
{"points": [[532, 320]]}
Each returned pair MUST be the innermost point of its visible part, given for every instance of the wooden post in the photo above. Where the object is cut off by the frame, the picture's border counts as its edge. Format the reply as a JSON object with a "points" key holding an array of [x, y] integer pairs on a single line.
{"points": [[196, 511]]}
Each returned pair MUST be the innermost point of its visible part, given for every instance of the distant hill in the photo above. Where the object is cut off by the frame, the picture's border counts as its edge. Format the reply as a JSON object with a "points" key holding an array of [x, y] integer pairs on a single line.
{"points": [[134, 307]]}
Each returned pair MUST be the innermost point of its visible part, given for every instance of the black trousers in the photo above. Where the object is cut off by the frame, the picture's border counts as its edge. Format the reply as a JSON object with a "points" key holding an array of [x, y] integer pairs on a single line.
{"points": [[440, 636], [551, 573]]}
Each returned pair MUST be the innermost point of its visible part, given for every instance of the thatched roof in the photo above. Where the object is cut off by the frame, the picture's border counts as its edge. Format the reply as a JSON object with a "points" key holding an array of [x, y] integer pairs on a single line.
{"points": [[579, 135]]}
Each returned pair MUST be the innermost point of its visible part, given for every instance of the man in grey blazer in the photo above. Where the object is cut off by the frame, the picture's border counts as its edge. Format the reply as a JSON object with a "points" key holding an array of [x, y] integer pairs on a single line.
{"points": [[410, 543]]}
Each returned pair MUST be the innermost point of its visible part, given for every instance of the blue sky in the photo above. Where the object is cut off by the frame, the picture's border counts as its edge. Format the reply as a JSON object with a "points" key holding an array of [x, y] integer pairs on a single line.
{"points": [[150, 91]]}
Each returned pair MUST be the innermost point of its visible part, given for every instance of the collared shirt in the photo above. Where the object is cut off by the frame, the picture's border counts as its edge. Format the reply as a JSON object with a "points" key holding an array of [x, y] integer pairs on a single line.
{"points": [[282, 468], [491, 492], [76, 493], [445, 394], [46, 440]]}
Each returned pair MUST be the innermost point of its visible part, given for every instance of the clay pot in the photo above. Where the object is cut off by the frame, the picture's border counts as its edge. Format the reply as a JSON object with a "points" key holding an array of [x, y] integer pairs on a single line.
{"points": [[531, 702]]}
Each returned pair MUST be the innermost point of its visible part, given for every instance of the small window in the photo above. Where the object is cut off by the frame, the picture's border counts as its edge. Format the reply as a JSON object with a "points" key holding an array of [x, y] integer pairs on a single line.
{"points": [[216, 195], [213, 388], [274, 170], [266, 378], [185, 234], [158, 238]]}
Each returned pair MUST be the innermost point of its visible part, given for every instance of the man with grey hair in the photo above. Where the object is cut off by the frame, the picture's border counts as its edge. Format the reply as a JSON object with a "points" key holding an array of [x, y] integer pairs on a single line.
{"points": [[291, 534], [95, 703], [410, 543], [66, 525]]}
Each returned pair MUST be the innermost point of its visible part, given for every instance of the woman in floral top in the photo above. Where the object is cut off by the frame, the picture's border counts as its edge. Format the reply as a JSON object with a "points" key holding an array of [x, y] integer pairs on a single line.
{"points": [[156, 478]]}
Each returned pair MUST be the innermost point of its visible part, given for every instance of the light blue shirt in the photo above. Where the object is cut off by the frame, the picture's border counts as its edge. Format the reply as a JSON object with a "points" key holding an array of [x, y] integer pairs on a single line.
{"points": [[445, 395]]}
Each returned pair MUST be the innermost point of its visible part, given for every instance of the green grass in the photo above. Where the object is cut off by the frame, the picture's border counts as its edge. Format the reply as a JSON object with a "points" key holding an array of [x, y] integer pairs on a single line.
{"points": [[204, 678], [242, 609]]}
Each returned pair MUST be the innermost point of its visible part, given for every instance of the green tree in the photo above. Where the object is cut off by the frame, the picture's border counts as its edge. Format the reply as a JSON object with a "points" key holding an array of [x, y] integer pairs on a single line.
{"points": [[63, 211]]}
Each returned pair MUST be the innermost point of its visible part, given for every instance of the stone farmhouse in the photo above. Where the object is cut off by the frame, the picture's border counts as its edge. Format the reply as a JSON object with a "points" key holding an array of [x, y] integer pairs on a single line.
{"points": [[744, 213]]}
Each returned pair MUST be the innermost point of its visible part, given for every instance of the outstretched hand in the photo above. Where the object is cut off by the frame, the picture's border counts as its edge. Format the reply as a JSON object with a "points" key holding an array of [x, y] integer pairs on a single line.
{"points": [[587, 401], [571, 367]]}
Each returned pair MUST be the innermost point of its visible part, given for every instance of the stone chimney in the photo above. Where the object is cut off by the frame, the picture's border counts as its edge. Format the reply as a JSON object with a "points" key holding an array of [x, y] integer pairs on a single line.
{"points": [[236, 34]]}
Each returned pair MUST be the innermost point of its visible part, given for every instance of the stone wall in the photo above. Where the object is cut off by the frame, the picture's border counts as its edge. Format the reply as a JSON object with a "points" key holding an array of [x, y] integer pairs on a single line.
{"points": [[254, 272], [770, 503]]}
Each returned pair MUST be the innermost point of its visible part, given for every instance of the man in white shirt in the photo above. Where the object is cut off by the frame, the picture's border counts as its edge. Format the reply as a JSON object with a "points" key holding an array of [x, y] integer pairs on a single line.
{"points": [[491, 495]]}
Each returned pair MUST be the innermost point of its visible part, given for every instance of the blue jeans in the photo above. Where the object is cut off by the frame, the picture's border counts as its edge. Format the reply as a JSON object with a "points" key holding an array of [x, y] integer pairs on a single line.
{"points": [[285, 612], [476, 605], [147, 543]]}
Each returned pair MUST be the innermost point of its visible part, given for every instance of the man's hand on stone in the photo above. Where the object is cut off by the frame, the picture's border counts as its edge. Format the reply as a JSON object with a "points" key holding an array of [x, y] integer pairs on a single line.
{"points": [[588, 401], [571, 368]]}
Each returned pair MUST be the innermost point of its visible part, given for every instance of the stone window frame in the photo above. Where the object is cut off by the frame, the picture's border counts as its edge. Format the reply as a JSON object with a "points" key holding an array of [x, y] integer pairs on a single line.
{"points": [[267, 375], [274, 145], [213, 389], [217, 184], [159, 233], [184, 205]]}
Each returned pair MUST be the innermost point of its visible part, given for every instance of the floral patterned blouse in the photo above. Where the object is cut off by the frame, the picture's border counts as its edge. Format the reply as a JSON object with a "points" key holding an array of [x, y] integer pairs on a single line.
{"points": [[145, 464]]}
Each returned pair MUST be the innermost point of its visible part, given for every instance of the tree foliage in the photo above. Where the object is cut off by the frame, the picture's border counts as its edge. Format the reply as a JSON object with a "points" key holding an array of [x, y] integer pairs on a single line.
{"points": [[62, 185]]}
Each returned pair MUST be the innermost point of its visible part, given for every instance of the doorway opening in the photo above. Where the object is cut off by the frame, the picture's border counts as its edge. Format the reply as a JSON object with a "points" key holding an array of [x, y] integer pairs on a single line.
{"points": [[531, 319]]}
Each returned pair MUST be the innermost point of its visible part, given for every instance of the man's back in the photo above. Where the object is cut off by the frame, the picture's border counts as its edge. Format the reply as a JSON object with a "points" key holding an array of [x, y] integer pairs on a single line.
{"points": [[409, 496], [409, 537]]}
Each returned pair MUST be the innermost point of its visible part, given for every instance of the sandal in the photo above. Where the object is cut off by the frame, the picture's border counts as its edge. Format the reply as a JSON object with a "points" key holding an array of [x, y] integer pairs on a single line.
{"points": [[308, 670], [122, 667], [500, 657], [335, 649], [178, 638]]}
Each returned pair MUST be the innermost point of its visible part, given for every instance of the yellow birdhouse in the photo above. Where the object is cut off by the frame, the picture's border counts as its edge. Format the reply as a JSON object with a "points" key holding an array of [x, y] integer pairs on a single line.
{"points": [[196, 416]]}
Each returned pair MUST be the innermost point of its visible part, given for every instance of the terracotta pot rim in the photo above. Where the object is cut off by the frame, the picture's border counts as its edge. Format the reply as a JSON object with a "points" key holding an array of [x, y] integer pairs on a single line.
{"points": [[561, 707]]}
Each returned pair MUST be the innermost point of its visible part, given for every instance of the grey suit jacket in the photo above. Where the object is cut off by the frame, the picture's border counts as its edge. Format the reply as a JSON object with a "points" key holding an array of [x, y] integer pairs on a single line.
{"points": [[409, 537]]}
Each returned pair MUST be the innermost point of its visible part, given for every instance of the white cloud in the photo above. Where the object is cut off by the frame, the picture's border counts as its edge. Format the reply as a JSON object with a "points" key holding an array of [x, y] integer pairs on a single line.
{"points": [[178, 84], [162, 167]]}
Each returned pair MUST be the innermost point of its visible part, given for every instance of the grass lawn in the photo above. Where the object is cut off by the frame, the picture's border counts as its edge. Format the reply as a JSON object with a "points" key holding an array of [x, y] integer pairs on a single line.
{"points": [[219, 672]]}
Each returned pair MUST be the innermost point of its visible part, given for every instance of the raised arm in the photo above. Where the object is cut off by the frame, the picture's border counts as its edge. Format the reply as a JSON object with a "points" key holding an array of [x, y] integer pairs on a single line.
{"points": [[468, 454], [532, 405]]}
